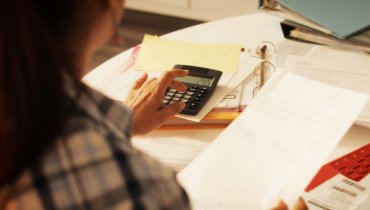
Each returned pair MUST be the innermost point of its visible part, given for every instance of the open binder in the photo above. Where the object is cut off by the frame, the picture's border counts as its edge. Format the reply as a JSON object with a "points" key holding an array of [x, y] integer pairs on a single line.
{"points": [[291, 30]]}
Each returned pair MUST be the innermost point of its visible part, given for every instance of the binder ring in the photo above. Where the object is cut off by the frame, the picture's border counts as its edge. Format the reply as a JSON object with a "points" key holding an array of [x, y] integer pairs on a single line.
{"points": [[265, 49], [262, 73]]}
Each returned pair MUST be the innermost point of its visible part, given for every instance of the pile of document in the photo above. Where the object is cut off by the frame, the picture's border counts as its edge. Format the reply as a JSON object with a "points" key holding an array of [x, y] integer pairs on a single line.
{"points": [[274, 148], [340, 23]]}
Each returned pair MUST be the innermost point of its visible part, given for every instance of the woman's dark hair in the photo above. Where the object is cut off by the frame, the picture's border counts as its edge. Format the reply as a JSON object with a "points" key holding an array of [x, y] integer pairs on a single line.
{"points": [[32, 101]]}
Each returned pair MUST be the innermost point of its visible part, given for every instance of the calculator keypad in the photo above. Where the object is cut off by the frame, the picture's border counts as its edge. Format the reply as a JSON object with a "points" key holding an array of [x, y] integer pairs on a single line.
{"points": [[192, 97], [355, 165]]}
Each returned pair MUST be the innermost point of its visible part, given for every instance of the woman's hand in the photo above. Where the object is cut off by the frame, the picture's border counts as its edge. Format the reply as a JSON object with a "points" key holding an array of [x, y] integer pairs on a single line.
{"points": [[299, 205], [146, 97]]}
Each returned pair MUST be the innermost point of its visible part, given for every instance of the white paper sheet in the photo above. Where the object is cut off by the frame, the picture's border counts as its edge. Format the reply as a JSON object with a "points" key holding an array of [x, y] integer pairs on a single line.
{"points": [[232, 99], [340, 68], [175, 148], [174, 152], [274, 148]]}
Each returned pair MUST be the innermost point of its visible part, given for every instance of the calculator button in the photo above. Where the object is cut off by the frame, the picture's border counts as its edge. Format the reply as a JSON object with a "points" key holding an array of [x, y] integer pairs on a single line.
{"points": [[176, 99], [354, 176], [353, 164], [192, 89], [167, 97], [179, 95], [189, 93], [356, 157], [362, 170], [197, 99], [368, 151], [171, 102], [195, 86], [170, 94], [338, 165], [187, 97], [204, 88], [199, 95], [173, 90], [165, 102], [193, 105], [347, 171], [365, 163], [185, 100], [202, 91], [364, 152]]}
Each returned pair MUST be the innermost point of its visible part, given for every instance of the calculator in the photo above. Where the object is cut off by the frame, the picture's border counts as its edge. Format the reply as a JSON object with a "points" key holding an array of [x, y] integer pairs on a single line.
{"points": [[201, 83], [355, 165]]}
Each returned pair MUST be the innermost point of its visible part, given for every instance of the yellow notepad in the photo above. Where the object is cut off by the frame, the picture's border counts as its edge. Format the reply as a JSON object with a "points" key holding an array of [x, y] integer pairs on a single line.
{"points": [[157, 54]]}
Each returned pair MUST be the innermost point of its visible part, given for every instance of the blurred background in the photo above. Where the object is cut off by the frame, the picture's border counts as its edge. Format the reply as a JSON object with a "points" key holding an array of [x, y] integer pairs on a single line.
{"points": [[158, 17]]}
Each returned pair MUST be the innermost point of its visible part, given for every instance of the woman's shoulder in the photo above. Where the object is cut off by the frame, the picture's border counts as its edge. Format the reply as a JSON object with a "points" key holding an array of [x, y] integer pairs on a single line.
{"points": [[101, 171], [91, 165], [90, 109]]}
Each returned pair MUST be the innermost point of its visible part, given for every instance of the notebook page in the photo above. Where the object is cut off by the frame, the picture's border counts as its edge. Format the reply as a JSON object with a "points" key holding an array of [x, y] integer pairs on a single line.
{"points": [[274, 148]]}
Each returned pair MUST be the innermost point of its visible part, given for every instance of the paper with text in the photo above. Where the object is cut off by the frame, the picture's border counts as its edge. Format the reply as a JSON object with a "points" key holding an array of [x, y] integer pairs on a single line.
{"points": [[158, 54], [339, 193], [335, 67], [274, 148]]}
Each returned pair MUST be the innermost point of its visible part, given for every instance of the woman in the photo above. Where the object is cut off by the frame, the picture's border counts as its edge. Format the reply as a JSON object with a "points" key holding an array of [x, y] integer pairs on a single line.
{"points": [[63, 145]]}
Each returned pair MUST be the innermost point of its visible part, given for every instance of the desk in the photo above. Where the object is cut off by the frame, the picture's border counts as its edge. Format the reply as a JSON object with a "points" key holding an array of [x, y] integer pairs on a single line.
{"points": [[249, 30]]}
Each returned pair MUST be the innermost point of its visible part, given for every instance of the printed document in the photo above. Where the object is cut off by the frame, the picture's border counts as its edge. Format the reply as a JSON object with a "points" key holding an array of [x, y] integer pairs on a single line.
{"points": [[274, 148], [335, 67], [340, 193]]}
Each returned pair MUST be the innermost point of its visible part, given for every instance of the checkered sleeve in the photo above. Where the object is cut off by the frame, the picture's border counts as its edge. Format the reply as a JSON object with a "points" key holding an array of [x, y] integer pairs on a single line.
{"points": [[94, 166]]}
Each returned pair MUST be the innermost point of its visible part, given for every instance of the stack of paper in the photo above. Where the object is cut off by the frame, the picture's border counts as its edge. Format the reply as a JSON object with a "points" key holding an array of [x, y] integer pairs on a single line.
{"points": [[344, 69], [274, 148]]}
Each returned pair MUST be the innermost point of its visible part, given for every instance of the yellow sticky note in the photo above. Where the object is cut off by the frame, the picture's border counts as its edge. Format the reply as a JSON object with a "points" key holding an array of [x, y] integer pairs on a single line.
{"points": [[157, 54]]}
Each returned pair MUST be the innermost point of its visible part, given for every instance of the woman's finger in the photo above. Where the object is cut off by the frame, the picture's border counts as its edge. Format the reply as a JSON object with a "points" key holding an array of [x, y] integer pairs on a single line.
{"points": [[139, 82], [177, 85], [171, 110], [168, 76]]}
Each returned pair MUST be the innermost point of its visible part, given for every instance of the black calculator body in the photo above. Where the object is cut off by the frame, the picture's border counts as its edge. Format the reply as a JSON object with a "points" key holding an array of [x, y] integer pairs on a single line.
{"points": [[201, 83]]}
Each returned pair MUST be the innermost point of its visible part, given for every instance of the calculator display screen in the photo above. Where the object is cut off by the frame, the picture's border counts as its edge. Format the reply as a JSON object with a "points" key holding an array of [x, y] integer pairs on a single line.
{"points": [[196, 80]]}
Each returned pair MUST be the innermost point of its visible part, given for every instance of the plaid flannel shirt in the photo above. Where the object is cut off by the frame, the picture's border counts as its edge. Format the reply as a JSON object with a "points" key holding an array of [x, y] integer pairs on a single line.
{"points": [[93, 165]]}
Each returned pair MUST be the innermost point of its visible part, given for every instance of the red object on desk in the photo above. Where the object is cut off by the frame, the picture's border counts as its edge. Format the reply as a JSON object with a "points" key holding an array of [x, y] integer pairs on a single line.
{"points": [[355, 166]]}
